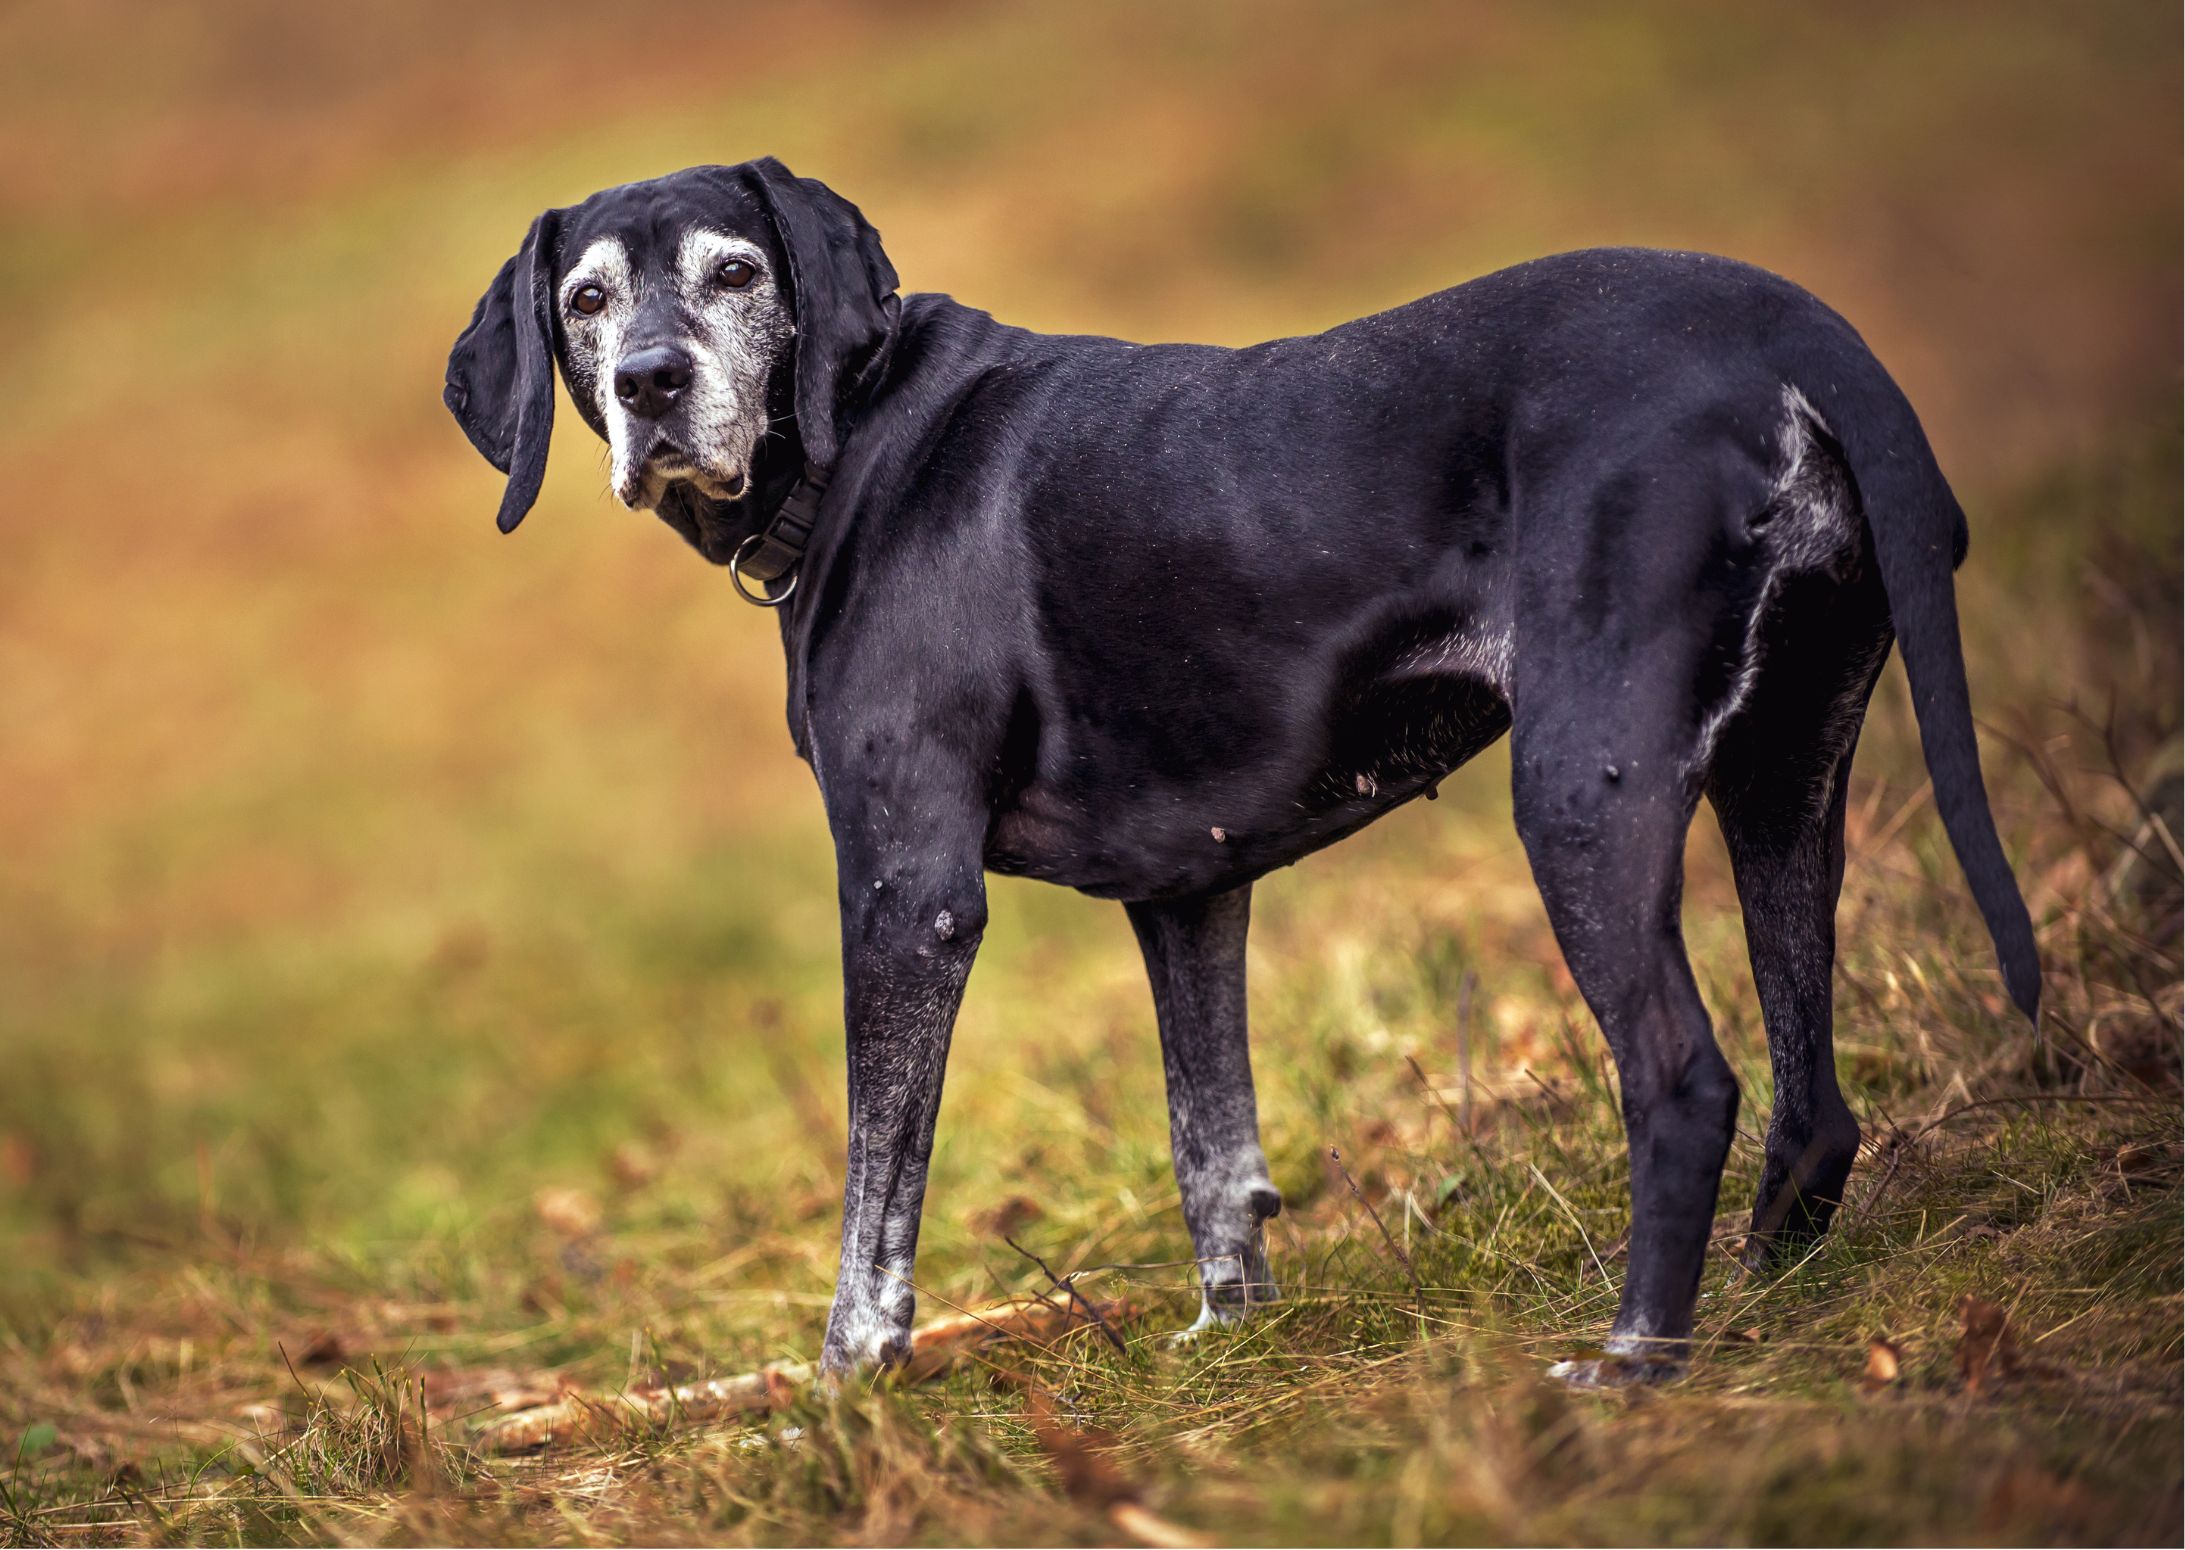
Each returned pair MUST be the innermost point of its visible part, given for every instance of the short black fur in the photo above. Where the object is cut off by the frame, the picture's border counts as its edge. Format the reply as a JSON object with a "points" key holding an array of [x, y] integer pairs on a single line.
{"points": [[1150, 621]]}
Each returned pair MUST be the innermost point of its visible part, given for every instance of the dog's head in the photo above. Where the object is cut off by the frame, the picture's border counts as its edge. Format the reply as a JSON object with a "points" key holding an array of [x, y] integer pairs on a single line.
{"points": [[691, 316]]}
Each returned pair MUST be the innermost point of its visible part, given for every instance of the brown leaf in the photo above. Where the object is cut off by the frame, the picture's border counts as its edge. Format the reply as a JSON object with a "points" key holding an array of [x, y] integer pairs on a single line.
{"points": [[632, 1166], [324, 1348], [1985, 1351], [781, 1388], [1082, 1457], [569, 1212], [1884, 1363], [1008, 1218], [461, 1391], [2148, 1163], [2029, 1493], [268, 1417], [18, 1160]]}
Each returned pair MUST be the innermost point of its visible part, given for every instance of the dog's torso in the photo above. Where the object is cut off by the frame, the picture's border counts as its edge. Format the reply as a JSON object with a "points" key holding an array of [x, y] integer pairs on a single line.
{"points": [[1197, 612], [1149, 621]]}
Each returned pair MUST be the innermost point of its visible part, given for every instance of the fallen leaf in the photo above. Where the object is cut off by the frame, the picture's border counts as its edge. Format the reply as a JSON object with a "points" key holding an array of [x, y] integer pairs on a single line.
{"points": [[1008, 1218], [632, 1166], [323, 1348], [1985, 1352], [781, 1393], [268, 1417], [570, 1212], [1084, 1456], [458, 1391], [1081, 1456], [1884, 1363], [2147, 1163], [18, 1160], [2030, 1493]]}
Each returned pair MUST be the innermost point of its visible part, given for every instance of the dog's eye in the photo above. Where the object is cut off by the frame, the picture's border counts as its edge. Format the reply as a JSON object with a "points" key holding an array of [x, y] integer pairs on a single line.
{"points": [[735, 273], [587, 299]]}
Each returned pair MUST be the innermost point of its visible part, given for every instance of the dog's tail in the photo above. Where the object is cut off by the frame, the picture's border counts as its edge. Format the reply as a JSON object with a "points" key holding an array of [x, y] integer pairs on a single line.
{"points": [[1920, 539]]}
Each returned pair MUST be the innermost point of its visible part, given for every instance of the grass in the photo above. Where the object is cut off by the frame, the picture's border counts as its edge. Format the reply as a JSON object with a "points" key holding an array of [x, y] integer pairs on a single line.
{"points": [[418, 949]]}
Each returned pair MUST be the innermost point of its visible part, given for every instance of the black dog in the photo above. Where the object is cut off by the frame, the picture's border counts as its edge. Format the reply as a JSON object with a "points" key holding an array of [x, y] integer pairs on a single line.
{"points": [[1151, 620]]}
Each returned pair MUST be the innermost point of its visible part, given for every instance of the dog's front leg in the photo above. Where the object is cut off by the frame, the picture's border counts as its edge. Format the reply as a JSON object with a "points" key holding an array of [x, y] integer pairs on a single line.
{"points": [[1194, 951], [911, 919]]}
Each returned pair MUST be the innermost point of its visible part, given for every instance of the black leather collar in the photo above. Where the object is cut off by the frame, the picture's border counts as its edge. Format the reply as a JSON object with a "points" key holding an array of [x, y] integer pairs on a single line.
{"points": [[775, 551]]}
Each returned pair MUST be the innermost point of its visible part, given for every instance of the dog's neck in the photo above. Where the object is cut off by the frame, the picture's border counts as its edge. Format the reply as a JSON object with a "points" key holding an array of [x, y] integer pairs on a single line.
{"points": [[774, 550], [762, 535]]}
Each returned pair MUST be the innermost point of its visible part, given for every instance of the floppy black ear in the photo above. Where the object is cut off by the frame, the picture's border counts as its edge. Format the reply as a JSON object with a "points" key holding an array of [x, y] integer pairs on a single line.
{"points": [[844, 293], [501, 371]]}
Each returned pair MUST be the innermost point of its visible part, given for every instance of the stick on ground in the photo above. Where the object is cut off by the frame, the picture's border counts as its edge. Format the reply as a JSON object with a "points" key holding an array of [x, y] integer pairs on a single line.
{"points": [[935, 1348]]}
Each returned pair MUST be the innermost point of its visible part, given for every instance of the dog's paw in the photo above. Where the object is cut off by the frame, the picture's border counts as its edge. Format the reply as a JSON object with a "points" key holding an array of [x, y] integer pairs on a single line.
{"points": [[1227, 1304], [1618, 1372], [1208, 1319], [864, 1345]]}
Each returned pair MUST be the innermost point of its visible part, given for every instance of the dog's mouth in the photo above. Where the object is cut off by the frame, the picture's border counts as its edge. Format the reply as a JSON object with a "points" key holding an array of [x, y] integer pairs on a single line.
{"points": [[670, 464], [667, 465]]}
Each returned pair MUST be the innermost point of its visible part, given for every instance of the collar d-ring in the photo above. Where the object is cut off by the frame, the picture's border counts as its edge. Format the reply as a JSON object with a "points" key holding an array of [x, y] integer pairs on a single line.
{"points": [[762, 598], [776, 551]]}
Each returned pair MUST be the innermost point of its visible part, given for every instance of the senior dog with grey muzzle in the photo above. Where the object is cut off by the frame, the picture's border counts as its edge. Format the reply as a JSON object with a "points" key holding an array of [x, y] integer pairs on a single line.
{"points": [[1152, 620]]}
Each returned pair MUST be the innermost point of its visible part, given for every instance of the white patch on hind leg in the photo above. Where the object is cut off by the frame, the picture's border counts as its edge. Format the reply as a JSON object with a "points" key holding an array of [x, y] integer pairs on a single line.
{"points": [[1811, 526]]}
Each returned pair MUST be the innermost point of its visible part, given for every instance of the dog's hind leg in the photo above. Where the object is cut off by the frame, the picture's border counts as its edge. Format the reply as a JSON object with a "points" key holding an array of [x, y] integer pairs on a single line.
{"points": [[1608, 857], [1194, 950], [1631, 612], [1778, 787]]}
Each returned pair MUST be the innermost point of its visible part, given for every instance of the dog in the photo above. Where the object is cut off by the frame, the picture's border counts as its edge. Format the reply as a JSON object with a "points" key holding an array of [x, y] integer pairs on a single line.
{"points": [[1149, 621]]}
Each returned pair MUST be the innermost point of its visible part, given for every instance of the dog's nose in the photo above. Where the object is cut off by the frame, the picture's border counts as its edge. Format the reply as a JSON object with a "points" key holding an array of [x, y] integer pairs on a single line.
{"points": [[649, 381]]}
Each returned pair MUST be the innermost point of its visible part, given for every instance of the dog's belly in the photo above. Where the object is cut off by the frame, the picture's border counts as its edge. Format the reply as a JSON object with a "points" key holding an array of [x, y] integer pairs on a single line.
{"points": [[1386, 730]]}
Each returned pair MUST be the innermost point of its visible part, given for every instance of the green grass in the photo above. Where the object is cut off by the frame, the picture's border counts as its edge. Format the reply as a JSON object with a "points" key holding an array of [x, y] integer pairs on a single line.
{"points": [[379, 901]]}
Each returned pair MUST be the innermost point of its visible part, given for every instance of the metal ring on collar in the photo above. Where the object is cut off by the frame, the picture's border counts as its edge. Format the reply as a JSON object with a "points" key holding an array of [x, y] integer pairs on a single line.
{"points": [[760, 598]]}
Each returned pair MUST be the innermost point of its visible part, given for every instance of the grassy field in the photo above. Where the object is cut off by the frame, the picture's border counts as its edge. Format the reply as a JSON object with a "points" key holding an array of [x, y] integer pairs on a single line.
{"points": [[417, 963]]}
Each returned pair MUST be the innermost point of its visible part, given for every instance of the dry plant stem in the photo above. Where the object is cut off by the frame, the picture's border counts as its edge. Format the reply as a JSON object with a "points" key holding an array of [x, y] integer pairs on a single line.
{"points": [[1462, 1122], [1150, 1528], [1464, 1049], [1395, 1248], [935, 1348], [1067, 1285]]}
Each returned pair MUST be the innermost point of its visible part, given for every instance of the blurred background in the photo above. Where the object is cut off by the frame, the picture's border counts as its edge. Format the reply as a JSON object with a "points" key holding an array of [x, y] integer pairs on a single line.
{"points": [[363, 872]]}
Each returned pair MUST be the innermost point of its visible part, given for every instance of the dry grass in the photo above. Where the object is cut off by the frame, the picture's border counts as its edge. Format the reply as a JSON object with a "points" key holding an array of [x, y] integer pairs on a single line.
{"points": [[419, 949]]}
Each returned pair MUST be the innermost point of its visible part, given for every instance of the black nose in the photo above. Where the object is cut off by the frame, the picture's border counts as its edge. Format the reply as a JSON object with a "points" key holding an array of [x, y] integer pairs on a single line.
{"points": [[649, 381]]}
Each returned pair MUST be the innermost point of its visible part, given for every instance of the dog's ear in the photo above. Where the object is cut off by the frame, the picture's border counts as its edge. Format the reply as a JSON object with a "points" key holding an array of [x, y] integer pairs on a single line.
{"points": [[501, 372], [844, 293]]}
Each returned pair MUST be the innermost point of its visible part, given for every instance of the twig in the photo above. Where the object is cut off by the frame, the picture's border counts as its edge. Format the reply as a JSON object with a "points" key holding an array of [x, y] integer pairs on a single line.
{"points": [[1067, 1285], [1463, 1124], [1944, 1118], [1464, 1049], [1411, 1270], [1584, 1237], [934, 1349], [1901, 1140]]}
